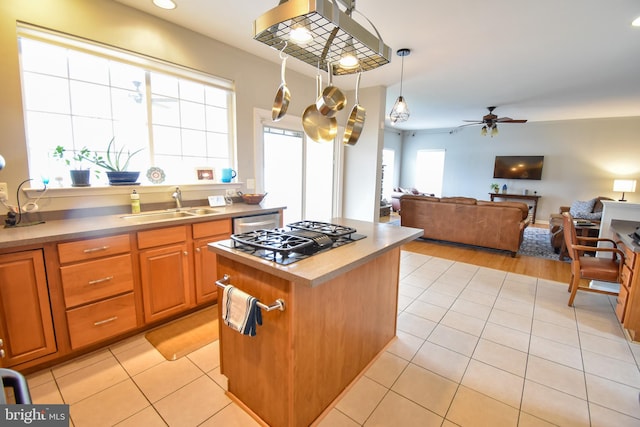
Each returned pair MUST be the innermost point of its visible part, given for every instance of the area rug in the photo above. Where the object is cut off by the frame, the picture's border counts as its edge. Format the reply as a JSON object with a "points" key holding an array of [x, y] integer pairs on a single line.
{"points": [[180, 337], [536, 244]]}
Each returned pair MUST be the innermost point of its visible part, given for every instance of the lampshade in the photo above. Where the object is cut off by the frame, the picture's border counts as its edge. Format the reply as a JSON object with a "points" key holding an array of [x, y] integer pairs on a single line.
{"points": [[625, 186]]}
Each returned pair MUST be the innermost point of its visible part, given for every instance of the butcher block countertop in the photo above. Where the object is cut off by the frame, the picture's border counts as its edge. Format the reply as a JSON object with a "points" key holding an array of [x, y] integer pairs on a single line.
{"points": [[321, 267], [95, 226]]}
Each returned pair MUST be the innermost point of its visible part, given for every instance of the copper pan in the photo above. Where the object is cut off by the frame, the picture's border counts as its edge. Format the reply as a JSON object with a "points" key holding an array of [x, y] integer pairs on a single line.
{"points": [[356, 120], [283, 96], [317, 126], [332, 99]]}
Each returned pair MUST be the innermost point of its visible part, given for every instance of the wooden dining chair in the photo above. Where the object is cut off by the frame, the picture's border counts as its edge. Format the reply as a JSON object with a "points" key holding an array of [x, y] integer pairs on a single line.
{"points": [[605, 269]]}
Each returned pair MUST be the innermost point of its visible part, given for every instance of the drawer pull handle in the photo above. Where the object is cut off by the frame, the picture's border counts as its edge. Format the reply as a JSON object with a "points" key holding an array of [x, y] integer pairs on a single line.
{"points": [[102, 322], [101, 248], [2, 353], [104, 279]]}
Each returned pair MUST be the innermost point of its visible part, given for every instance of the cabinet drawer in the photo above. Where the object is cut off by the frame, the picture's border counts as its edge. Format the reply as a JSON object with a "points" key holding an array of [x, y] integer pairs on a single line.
{"points": [[627, 276], [163, 236], [621, 303], [94, 280], [101, 320], [629, 255], [213, 228], [93, 248]]}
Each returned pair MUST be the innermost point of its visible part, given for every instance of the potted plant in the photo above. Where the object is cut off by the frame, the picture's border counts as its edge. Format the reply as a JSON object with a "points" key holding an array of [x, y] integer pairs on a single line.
{"points": [[116, 164], [80, 176], [495, 187]]}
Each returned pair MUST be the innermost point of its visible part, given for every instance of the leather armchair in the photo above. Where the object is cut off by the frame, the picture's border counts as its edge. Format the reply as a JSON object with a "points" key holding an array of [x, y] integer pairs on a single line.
{"points": [[556, 222]]}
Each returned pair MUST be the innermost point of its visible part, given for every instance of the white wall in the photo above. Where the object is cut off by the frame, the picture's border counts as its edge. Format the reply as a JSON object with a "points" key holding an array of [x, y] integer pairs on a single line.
{"points": [[582, 158]]}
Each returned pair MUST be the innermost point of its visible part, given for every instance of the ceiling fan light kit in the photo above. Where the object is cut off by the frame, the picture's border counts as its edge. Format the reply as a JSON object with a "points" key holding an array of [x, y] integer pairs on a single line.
{"points": [[331, 31], [400, 111], [490, 122]]}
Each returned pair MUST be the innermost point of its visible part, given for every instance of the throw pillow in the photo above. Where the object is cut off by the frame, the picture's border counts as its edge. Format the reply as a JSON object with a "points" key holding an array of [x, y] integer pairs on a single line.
{"points": [[581, 208]]}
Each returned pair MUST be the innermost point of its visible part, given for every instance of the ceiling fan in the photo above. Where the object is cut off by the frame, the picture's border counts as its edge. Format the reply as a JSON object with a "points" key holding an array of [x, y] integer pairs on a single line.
{"points": [[490, 122], [139, 95]]}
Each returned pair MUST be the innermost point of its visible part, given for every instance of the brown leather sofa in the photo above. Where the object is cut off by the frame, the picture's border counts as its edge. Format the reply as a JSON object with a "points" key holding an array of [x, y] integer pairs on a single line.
{"points": [[399, 192], [497, 225]]}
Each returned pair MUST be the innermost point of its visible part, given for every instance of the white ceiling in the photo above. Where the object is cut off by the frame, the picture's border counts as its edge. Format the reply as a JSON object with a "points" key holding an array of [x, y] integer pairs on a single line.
{"points": [[539, 60]]}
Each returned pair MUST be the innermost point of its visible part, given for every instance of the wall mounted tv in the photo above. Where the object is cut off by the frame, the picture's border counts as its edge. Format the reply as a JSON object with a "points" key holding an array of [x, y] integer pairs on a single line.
{"points": [[518, 167]]}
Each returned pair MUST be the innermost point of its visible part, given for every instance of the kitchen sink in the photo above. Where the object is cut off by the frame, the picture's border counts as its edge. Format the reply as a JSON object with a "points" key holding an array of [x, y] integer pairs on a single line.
{"points": [[157, 216], [202, 211]]}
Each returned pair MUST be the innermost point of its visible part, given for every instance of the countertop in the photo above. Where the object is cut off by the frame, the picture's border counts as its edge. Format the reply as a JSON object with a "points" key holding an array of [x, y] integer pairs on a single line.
{"points": [[324, 266], [95, 226], [623, 229]]}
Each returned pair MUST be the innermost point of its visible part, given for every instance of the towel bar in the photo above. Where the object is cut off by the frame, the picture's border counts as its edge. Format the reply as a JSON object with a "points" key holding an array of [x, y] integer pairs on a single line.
{"points": [[277, 305]]}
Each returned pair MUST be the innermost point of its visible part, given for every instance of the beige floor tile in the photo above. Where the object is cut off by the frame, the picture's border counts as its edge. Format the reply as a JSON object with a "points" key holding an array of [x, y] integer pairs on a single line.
{"points": [[395, 410], [554, 406], [386, 369], [128, 343], [417, 280], [38, 378], [564, 316], [415, 325], [403, 303], [605, 327], [502, 357], [336, 418], [109, 406], [505, 303], [454, 339], [81, 362], [437, 298], [46, 393], [448, 288], [557, 376], [528, 420], [426, 311], [603, 417], [463, 322], [230, 416], [193, 403], [506, 336], [220, 379], [554, 332], [494, 382], [613, 395], [206, 358], [161, 380], [410, 291], [556, 352], [485, 285], [470, 408], [612, 369], [511, 320], [477, 297], [426, 388], [148, 417], [137, 358], [615, 348], [405, 345], [442, 361], [360, 401], [90, 379]]}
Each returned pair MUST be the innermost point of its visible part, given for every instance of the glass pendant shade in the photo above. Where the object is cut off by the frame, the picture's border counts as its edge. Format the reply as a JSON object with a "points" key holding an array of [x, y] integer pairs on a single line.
{"points": [[483, 131], [494, 130]]}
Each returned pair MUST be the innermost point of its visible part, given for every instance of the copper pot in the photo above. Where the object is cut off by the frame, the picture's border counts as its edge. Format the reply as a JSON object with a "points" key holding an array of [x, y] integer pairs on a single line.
{"points": [[317, 126], [332, 99]]}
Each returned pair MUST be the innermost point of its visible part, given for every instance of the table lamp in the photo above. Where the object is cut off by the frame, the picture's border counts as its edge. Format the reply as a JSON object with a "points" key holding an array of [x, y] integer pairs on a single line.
{"points": [[624, 185]]}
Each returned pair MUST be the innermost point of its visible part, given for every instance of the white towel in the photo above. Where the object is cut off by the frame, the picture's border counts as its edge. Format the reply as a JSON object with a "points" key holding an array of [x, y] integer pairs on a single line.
{"points": [[240, 311]]}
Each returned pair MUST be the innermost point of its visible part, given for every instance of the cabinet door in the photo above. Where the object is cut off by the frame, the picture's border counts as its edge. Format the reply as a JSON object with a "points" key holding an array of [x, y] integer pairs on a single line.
{"points": [[165, 281], [205, 272], [26, 327]]}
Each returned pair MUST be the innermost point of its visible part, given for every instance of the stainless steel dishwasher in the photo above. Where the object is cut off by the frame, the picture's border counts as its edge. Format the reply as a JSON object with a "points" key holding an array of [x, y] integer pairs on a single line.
{"points": [[266, 221]]}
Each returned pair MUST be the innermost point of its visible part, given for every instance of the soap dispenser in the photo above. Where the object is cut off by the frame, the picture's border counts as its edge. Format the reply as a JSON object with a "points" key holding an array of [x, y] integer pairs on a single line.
{"points": [[135, 202]]}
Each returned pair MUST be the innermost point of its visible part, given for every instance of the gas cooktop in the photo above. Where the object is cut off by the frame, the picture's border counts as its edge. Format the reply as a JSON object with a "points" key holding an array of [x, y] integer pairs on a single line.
{"points": [[304, 239]]}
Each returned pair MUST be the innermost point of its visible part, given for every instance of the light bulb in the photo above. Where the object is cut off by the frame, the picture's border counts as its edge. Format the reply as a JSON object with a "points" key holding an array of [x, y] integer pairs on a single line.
{"points": [[165, 4], [494, 131], [300, 32], [349, 59], [483, 131]]}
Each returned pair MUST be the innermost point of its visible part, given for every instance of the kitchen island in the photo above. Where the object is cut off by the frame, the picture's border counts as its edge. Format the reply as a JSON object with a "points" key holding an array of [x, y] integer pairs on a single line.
{"points": [[340, 309]]}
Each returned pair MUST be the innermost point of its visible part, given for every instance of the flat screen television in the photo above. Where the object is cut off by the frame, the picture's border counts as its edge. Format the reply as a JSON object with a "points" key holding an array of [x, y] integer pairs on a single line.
{"points": [[518, 167]]}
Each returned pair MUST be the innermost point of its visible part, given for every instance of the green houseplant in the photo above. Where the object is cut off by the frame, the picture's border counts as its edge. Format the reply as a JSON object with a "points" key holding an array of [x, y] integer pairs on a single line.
{"points": [[495, 187], [116, 163], [80, 176]]}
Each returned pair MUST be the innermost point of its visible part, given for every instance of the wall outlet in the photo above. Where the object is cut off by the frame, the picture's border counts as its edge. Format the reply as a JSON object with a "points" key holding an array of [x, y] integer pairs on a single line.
{"points": [[4, 192]]}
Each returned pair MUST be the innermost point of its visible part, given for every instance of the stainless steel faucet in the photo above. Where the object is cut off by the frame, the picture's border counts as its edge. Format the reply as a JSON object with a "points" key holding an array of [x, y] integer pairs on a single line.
{"points": [[178, 196]]}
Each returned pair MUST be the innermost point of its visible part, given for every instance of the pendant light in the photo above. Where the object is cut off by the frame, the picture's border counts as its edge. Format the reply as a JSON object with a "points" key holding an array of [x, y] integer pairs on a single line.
{"points": [[400, 111]]}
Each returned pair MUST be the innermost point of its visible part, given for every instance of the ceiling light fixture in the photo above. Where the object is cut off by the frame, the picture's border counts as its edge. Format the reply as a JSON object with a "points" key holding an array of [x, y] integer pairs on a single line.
{"points": [[331, 29], [636, 22], [349, 58], [400, 111], [165, 4]]}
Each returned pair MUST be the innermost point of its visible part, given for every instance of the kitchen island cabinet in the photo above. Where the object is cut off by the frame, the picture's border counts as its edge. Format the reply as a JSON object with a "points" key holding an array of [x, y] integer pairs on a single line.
{"points": [[26, 326], [340, 313]]}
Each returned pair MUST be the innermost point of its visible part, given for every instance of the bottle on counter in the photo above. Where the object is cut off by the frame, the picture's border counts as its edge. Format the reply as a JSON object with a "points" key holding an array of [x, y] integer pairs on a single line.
{"points": [[135, 202]]}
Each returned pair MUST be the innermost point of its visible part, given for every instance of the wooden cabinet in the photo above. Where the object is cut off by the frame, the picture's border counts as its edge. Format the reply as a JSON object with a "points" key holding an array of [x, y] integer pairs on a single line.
{"points": [[164, 272], [97, 281], [205, 271], [26, 326]]}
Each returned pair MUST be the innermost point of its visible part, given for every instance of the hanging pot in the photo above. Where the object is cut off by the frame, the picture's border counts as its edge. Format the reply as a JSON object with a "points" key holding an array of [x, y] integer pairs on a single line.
{"points": [[356, 120], [283, 96], [317, 126], [332, 99]]}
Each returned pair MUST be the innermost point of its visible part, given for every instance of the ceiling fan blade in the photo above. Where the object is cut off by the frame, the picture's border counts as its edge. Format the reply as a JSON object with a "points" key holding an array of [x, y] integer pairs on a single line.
{"points": [[473, 121], [509, 120], [470, 124]]}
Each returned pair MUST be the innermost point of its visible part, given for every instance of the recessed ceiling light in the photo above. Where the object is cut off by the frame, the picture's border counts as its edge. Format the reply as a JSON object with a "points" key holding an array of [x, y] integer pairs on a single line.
{"points": [[165, 4]]}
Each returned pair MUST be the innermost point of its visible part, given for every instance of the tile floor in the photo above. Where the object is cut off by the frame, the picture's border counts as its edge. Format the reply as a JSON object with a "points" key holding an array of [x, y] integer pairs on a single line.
{"points": [[475, 347]]}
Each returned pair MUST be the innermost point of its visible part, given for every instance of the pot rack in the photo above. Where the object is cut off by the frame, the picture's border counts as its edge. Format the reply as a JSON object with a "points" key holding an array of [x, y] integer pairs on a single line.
{"points": [[333, 31]]}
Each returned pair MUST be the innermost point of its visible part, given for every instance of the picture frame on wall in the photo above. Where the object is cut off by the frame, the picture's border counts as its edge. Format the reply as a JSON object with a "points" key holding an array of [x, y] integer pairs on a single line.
{"points": [[205, 174]]}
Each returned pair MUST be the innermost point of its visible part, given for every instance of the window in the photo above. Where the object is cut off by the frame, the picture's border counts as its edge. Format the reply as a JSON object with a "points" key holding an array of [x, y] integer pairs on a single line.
{"points": [[78, 94], [430, 171]]}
